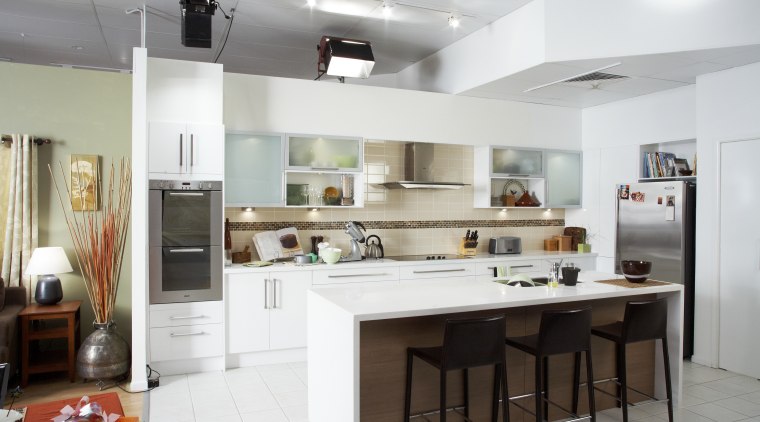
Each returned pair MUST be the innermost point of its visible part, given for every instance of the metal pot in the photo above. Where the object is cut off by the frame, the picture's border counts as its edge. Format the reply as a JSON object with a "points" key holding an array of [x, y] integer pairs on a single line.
{"points": [[374, 250]]}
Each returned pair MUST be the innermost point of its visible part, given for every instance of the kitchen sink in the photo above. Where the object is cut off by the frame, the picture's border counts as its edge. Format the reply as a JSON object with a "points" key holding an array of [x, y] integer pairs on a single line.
{"points": [[536, 282]]}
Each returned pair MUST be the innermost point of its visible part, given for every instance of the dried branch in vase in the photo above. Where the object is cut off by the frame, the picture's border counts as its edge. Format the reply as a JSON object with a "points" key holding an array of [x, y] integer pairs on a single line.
{"points": [[99, 237]]}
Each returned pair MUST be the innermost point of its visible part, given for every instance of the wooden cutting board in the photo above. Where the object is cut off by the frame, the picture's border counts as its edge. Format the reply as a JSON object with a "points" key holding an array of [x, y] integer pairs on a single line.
{"points": [[577, 234]]}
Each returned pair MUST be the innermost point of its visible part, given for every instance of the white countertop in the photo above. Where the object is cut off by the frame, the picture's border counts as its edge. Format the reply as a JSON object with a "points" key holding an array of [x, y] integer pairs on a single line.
{"points": [[290, 266], [368, 303]]}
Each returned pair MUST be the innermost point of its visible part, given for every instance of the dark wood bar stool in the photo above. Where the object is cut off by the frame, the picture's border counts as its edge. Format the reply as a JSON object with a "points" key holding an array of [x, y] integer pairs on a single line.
{"points": [[467, 343], [645, 320], [561, 332]]}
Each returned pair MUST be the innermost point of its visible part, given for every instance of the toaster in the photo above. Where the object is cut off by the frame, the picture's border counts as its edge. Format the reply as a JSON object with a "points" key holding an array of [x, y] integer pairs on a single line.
{"points": [[504, 245]]}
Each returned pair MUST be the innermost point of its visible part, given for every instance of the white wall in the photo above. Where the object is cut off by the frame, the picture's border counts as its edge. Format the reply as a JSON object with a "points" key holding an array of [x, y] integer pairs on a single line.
{"points": [[727, 109], [260, 103], [586, 29], [611, 136]]}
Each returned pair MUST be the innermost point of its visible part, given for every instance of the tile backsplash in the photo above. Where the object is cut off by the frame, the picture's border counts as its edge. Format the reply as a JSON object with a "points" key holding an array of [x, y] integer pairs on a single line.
{"points": [[407, 221]]}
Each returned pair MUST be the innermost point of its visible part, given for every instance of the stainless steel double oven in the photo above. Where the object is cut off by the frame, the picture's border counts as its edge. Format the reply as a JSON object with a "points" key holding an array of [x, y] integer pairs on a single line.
{"points": [[185, 236]]}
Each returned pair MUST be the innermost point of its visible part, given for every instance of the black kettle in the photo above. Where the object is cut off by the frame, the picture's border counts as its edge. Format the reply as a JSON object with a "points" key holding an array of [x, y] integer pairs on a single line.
{"points": [[374, 250]]}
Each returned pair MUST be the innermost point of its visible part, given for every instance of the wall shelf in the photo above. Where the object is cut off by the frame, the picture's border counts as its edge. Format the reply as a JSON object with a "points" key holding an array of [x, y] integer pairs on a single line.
{"points": [[682, 149]]}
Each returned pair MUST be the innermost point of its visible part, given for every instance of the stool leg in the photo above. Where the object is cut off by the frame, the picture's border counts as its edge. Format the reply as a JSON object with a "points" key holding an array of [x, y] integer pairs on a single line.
{"points": [[505, 393], [466, 392], [668, 385], [617, 374], [546, 386], [623, 383], [408, 396], [576, 381], [539, 387], [443, 396], [495, 398], [590, 386]]}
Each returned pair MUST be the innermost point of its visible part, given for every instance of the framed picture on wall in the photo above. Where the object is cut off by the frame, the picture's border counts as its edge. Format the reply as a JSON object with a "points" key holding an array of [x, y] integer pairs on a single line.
{"points": [[85, 182]]}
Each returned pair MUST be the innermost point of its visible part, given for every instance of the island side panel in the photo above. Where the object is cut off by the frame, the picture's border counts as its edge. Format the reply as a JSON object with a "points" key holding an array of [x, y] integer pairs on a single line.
{"points": [[675, 349], [333, 339], [383, 363]]}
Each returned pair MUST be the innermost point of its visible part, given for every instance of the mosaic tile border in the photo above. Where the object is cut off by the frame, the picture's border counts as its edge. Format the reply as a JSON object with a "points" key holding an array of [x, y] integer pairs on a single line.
{"points": [[391, 225]]}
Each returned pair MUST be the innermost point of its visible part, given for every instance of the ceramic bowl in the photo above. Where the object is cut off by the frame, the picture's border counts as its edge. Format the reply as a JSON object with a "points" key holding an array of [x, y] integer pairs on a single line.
{"points": [[636, 271], [331, 255]]}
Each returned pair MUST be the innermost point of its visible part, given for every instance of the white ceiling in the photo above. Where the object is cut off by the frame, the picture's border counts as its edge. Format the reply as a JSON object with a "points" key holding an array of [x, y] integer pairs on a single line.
{"points": [[279, 38]]}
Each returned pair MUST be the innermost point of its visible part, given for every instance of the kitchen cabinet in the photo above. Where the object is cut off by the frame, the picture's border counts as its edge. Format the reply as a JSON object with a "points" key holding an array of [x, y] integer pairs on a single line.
{"points": [[509, 170], [253, 170], [563, 179], [324, 153], [186, 330], [177, 150], [266, 311], [516, 162]]}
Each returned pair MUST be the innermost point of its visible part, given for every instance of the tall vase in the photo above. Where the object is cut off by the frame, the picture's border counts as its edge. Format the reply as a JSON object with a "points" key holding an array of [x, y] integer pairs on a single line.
{"points": [[103, 354]]}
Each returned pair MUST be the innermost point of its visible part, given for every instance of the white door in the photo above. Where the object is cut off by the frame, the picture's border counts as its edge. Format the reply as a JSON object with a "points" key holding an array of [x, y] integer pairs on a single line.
{"points": [[166, 147], [248, 301], [205, 153], [739, 257], [287, 319]]}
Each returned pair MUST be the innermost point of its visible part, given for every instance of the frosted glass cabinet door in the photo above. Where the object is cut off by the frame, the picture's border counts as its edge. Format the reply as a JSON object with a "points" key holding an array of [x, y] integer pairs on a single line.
{"points": [[563, 179], [253, 170], [517, 162], [322, 153]]}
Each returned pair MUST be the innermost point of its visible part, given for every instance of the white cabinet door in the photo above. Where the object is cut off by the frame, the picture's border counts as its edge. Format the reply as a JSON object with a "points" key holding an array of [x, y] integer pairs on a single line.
{"points": [[205, 151], [287, 318], [739, 257], [166, 147], [248, 312], [563, 179]]}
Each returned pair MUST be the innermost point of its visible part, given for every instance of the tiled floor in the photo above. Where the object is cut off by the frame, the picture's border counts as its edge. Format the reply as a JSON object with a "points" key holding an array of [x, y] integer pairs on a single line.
{"points": [[277, 393]]}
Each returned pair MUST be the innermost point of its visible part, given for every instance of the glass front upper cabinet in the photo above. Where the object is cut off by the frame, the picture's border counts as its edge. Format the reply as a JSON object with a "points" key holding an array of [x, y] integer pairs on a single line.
{"points": [[324, 153], [253, 174], [563, 179], [514, 162]]}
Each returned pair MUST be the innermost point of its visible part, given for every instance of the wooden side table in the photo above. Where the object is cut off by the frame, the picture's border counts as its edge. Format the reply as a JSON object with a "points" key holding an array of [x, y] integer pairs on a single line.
{"points": [[67, 311]]}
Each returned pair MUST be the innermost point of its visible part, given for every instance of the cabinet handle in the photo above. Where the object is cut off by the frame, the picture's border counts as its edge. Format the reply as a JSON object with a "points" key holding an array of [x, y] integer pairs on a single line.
{"points": [[521, 266], [192, 148], [266, 293], [518, 175], [180, 150], [325, 168], [356, 275], [274, 292], [194, 250], [197, 333], [172, 318], [456, 270], [185, 194]]}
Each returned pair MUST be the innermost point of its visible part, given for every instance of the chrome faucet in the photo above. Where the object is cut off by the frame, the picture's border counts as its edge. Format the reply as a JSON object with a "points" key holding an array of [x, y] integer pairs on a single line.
{"points": [[555, 268]]}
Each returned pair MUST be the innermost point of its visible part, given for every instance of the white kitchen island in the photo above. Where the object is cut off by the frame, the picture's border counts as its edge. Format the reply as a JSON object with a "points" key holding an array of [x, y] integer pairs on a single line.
{"points": [[357, 337]]}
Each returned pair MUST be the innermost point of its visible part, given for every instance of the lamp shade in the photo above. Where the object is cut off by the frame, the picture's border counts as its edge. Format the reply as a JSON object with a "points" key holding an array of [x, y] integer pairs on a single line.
{"points": [[50, 260], [345, 57]]}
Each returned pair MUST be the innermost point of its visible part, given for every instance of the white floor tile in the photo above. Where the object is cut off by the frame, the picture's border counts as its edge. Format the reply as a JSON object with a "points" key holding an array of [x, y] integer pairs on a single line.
{"points": [[297, 413], [266, 416], [707, 394], [684, 415], [717, 413], [256, 402], [740, 405], [217, 418], [734, 386], [292, 398]]}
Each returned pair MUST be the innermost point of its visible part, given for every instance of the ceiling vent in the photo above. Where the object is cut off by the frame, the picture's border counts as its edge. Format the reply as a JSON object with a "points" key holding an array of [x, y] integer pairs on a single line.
{"points": [[588, 80]]}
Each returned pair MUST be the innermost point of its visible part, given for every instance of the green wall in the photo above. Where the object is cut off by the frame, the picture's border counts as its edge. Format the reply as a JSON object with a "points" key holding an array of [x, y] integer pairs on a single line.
{"points": [[83, 112]]}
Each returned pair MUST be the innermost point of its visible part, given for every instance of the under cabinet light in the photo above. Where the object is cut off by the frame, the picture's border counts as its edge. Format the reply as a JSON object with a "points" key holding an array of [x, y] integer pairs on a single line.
{"points": [[314, 209], [248, 209]]}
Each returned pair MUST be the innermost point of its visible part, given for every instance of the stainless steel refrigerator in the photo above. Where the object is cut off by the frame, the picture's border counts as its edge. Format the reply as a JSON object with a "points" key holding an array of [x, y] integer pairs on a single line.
{"points": [[655, 222]]}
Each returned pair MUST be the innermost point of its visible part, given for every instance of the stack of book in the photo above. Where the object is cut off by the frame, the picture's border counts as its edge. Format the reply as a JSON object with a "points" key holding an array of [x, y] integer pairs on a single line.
{"points": [[659, 164]]}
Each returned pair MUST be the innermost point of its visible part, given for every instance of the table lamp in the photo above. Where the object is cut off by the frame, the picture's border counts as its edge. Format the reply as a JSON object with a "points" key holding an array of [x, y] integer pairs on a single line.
{"points": [[46, 262]]}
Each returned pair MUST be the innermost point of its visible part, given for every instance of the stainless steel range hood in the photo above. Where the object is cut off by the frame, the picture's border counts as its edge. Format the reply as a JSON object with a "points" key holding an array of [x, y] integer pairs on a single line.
{"points": [[419, 170]]}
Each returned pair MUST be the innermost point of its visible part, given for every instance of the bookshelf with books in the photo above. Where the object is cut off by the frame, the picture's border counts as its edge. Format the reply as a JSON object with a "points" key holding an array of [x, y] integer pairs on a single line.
{"points": [[675, 160]]}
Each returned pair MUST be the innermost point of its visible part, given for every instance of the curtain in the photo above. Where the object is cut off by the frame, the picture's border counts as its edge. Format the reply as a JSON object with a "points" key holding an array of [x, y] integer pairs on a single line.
{"points": [[21, 217]]}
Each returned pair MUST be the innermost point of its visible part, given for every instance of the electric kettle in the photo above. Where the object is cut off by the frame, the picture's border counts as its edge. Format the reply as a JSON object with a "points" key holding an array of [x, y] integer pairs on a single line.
{"points": [[374, 250]]}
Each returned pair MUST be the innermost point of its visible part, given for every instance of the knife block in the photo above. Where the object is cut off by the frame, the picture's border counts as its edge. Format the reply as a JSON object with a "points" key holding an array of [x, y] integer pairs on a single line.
{"points": [[467, 247]]}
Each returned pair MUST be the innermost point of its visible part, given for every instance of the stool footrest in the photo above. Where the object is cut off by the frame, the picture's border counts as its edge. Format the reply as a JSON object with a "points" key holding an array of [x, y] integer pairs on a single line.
{"points": [[641, 403], [543, 398], [455, 409]]}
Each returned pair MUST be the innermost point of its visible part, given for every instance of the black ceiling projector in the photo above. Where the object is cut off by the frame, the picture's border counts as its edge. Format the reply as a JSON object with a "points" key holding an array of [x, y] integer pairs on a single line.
{"points": [[196, 22]]}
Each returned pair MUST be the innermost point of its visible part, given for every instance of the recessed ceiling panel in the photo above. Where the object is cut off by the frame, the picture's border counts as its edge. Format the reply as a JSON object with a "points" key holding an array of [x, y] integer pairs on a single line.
{"points": [[688, 74], [50, 10], [43, 27]]}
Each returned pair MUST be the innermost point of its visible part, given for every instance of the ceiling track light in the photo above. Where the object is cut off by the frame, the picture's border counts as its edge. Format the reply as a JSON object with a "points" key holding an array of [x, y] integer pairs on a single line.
{"points": [[311, 3], [454, 21], [387, 8]]}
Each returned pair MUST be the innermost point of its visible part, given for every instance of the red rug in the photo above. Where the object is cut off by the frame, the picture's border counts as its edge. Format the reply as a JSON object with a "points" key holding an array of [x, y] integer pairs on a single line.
{"points": [[44, 412]]}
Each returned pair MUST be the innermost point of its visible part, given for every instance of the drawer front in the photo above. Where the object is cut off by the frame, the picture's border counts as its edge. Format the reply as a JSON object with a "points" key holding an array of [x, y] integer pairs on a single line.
{"points": [[191, 313], [584, 263], [199, 341], [438, 280], [358, 284], [437, 271], [512, 267], [356, 275]]}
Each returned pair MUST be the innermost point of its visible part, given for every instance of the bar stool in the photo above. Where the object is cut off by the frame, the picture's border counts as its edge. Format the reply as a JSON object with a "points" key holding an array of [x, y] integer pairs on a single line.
{"points": [[467, 343], [645, 320], [561, 332]]}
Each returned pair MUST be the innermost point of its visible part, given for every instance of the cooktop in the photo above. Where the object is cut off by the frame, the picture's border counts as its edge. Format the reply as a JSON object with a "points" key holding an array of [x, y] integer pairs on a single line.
{"points": [[426, 257]]}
